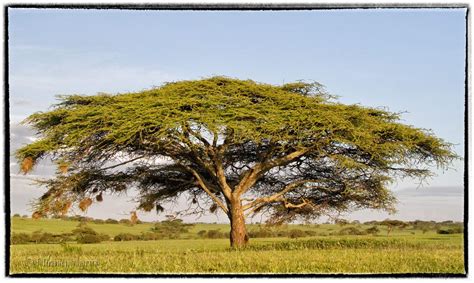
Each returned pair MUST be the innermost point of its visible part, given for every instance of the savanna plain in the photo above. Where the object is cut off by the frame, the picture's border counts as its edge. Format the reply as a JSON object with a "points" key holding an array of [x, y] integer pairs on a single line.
{"points": [[77, 245]]}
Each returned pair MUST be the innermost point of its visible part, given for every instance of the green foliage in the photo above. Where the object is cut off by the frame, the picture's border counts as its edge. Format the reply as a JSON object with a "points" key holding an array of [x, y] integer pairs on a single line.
{"points": [[351, 231], [150, 236], [87, 235], [341, 222], [296, 233], [126, 237], [374, 230], [88, 239], [456, 230], [171, 229], [111, 221], [264, 232], [337, 156], [19, 238], [216, 234]]}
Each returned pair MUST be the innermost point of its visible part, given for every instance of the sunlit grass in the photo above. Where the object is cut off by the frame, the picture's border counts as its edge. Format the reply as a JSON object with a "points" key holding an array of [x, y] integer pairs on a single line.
{"points": [[404, 251]]}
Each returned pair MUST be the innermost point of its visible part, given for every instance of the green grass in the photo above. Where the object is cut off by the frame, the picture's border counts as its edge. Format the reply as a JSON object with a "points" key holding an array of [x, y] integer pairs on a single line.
{"points": [[317, 255], [28, 225], [401, 252]]}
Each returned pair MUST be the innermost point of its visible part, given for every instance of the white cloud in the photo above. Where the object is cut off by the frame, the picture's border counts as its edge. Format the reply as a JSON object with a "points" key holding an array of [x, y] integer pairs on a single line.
{"points": [[32, 138], [53, 71]]}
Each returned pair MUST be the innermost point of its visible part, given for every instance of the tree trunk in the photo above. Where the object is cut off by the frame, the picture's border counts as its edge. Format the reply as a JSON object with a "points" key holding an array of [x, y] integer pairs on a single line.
{"points": [[238, 231]]}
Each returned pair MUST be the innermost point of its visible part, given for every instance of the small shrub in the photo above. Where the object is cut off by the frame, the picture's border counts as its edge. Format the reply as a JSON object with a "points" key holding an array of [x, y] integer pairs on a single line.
{"points": [[262, 233], [111, 221], [19, 238], [104, 237], [126, 237], [172, 228], [215, 234], [202, 233], [149, 236], [36, 236], [456, 230], [351, 231], [87, 235], [88, 239], [125, 221], [374, 230], [341, 222], [296, 233], [67, 237]]}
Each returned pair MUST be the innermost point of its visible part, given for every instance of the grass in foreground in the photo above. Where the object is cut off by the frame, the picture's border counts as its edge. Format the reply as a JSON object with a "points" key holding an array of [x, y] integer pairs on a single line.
{"points": [[350, 254]]}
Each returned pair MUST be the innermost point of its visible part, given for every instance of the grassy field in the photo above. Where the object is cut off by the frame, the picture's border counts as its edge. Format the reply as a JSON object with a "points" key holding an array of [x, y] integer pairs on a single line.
{"points": [[28, 225], [403, 251]]}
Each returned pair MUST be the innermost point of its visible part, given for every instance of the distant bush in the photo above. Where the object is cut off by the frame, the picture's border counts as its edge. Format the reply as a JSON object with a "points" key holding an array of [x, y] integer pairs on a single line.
{"points": [[40, 237], [83, 229], [150, 236], [456, 230], [67, 237], [374, 230], [88, 239], [125, 221], [16, 215], [171, 229], [296, 233], [263, 233], [86, 235], [36, 236], [214, 234], [351, 231], [111, 221], [341, 222], [98, 221], [311, 233], [77, 218], [126, 237], [19, 238]]}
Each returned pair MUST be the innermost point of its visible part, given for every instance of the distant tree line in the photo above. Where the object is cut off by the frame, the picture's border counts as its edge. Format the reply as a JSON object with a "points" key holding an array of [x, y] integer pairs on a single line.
{"points": [[87, 219], [176, 228]]}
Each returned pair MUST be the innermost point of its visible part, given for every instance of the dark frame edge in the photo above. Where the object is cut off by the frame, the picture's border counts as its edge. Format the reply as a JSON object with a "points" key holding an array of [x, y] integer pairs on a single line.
{"points": [[240, 7], [227, 7], [6, 135]]}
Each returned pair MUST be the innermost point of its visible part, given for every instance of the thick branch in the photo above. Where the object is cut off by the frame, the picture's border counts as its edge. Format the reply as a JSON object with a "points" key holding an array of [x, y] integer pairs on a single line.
{"points": [[252, 175], [276, 197], [203, 185], [226, 189]]}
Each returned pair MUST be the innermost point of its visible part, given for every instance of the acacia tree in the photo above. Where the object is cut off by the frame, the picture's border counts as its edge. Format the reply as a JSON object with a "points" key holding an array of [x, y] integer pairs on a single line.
{"points": [[288, 151]]}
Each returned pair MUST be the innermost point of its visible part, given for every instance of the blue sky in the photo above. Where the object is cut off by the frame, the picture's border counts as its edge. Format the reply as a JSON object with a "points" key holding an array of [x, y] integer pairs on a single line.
{"points": [[406, 60]]}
